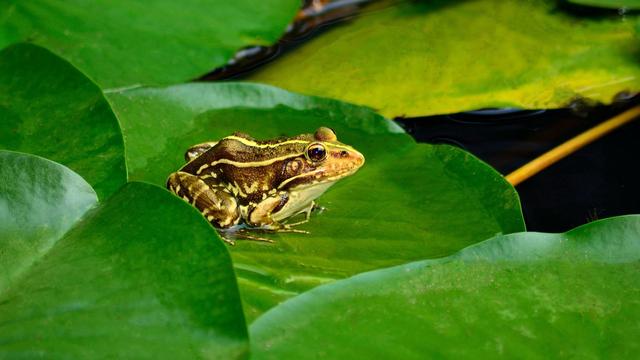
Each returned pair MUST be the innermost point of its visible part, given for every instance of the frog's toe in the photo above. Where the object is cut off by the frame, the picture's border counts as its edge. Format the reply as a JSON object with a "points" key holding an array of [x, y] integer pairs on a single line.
{"points": [[291, 230], [229, 241], [318, 208], [245, 236]]}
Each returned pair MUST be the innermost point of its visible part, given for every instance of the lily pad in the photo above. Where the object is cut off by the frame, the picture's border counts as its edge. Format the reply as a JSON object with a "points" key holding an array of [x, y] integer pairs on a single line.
{"points": [[410, 201], [40, 201], [530, 295], [142, 274], [124, 43], [432, 57], [48, 108]]}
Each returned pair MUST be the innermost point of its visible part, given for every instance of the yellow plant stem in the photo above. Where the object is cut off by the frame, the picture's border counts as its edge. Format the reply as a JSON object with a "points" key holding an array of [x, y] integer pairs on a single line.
{"points": [[567, 148]]}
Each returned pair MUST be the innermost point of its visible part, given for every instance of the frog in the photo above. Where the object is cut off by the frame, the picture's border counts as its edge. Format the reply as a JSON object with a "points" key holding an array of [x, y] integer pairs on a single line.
{"points": [[241, 184]]}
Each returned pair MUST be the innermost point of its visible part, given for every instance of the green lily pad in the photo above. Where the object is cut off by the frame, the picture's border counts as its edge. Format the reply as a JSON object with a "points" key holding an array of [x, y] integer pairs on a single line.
{"points": [[39, 202], [48, 108], [124, 43], [528, 295], [141, 275], [410, 201], [609, 4], [432, 57]]}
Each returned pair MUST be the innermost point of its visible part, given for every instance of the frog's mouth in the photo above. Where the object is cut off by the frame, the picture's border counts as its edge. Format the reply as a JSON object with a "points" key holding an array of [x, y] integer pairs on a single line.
{"points": [[346, 167], [340, 175], [316, 178]]}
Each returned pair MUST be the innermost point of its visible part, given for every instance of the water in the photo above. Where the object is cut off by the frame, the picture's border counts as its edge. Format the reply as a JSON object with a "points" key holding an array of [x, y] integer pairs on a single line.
{"points": [[598, 181]]}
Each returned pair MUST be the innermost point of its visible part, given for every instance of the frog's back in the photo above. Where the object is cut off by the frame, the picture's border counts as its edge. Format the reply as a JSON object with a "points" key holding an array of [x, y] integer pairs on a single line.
{"points": [[246, 167], [234, 152]]}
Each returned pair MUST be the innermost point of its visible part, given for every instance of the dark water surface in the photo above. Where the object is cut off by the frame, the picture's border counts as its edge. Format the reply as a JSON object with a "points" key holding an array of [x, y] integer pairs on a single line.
{"points": [[598, 181]]}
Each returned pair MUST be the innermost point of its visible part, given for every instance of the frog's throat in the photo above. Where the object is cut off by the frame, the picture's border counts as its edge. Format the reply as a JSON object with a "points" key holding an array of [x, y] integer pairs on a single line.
{"points": [[300, 198]]}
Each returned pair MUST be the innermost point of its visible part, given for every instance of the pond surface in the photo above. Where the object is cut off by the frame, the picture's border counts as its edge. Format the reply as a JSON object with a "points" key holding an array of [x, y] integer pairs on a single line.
{"points": [[598, 181]]}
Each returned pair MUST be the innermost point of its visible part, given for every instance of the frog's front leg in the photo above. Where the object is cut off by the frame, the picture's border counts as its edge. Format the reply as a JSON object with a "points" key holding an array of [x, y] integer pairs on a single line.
{"points": [[260, 215], [219, 207], [307, 214]]}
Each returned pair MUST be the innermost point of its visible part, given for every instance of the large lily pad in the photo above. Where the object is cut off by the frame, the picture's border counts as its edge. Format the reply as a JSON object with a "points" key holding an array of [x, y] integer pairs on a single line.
{"points": [[528, 295], [142, 275], [39, 202], [124, 43], [433, 57], [409, 201], [48, 108]]}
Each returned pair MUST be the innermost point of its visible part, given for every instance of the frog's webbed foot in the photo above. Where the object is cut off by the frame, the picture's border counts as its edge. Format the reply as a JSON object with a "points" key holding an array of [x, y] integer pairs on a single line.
{"points": [[230, 236], [318, 208], [288, 229], [246, 236], [276, 227], [226, 238]]}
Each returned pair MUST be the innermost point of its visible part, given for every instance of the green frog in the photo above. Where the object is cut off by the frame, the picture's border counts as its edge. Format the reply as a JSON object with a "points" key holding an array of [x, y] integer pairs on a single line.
{"points": [[241, 183]]}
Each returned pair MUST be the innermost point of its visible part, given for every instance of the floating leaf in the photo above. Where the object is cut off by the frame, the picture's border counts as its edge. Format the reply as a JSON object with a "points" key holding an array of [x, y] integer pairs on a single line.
{"points": [[124, 43], [530, 295], [39, 202], [408, 202], [141, 275], [48, 108], [434, 57]]}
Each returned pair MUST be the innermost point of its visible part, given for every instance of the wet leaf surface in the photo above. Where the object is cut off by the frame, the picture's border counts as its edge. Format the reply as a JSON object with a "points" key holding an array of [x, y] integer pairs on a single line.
{"points": [[522, 295], [142, 274], [416, 58], [48, 108], [123, 43], [39, 202]]}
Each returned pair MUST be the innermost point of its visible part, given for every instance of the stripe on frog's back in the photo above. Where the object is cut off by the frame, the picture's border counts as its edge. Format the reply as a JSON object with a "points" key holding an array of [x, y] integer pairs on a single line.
{"points": [[300, 140], [241, 150], [236, 151], [267, 143], [248, 164]]}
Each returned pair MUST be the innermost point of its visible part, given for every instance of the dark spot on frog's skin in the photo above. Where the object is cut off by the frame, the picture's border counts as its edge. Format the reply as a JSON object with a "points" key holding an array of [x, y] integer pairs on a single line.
{"points": [[341, 154], [284, 197]]}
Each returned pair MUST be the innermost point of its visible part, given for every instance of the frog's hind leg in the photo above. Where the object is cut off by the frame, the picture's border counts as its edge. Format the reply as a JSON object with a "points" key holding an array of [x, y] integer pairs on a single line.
{"points": [[216, 205], [260, 216]]}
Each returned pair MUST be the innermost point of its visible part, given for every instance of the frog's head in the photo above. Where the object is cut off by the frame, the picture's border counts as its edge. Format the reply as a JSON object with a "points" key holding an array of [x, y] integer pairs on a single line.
{"points": [[325, 160]]}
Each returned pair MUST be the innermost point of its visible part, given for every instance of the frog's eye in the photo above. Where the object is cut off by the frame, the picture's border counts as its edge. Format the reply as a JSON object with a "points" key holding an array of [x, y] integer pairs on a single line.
{"points": [[316, 152]]}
